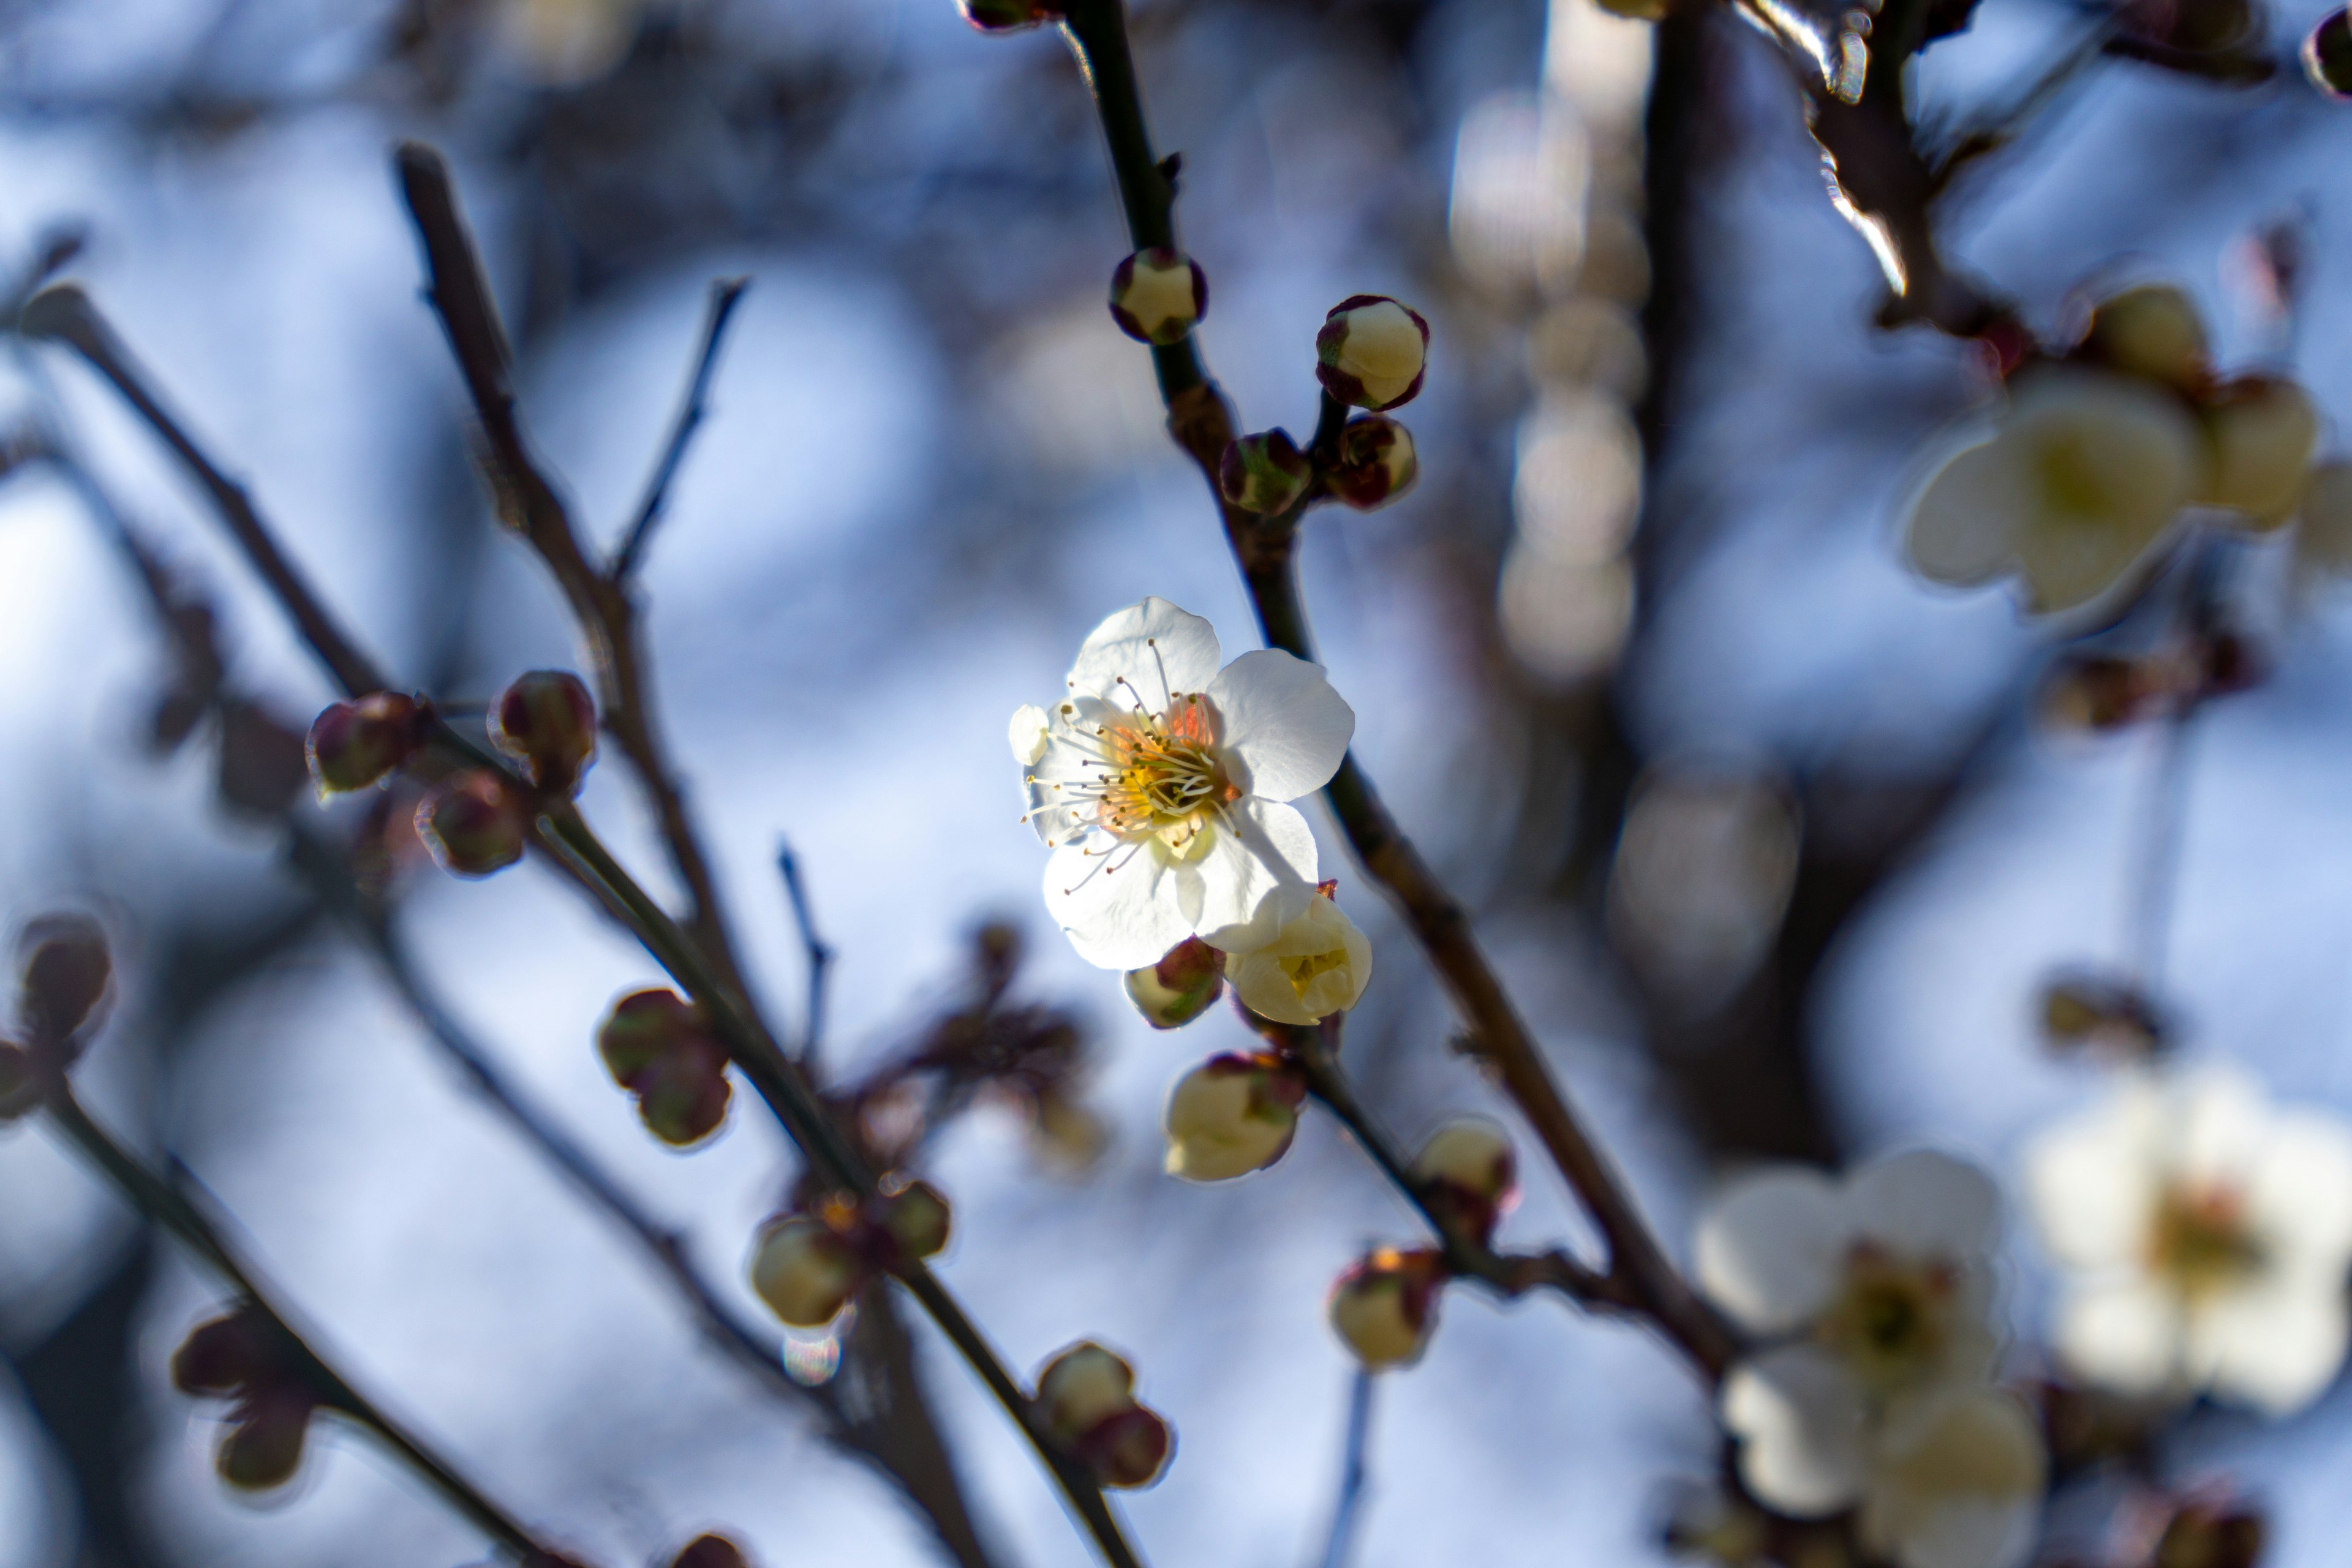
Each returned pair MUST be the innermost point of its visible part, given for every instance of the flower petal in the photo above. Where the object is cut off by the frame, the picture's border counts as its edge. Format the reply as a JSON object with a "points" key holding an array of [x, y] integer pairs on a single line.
{"points": [[1027, 733], [2093, 1181], [2275, 1347], [2219, 1123], [1258, 873], [1145, 654], [1964, 525], [2123, 1334], [1925, 1204], [2299, 1192], [1281, 726], [1769, 1249], [1966, 1493], [1119, 908], [1799, 1416]]}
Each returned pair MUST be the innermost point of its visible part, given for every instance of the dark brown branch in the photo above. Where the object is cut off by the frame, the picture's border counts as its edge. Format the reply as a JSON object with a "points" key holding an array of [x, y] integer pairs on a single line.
{"points": [[820, 956], [691, 413]]}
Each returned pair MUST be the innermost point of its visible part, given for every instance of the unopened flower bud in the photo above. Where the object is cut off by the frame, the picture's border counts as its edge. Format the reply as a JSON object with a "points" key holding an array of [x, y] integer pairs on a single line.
{"points": [[1182, 986], [1008, 16], [2327, 55], [263, 1446], [1386, 1304], [1376, 462], [1316, 966], [1372, 352], [353, 744], [916, 1218], [710, 1552], [1470, 1171], [65, 975], [546, 721], [804, 1270], [225, 1354], [2092, 1012], [657, 1047], [1086, 1396], [474, 823], [1233, 1114], [1157, 295], [2210, 1534], [2263, 432], [2151, 331], [1263, 473]]}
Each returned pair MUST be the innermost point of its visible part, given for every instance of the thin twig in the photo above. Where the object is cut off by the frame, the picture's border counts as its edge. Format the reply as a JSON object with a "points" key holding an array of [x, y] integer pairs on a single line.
{"points": [[1265, 551], [724, 293], [178, 1211], [2164, 815], [820, 956], [1353, 1470]]}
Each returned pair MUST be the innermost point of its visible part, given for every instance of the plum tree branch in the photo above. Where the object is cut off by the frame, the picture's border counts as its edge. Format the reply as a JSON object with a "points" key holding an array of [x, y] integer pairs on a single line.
{"points": [[724, 296]]}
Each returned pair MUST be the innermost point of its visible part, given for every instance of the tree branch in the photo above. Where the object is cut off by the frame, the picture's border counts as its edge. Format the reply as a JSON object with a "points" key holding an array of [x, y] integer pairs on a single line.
{"points": [[691, 413]]}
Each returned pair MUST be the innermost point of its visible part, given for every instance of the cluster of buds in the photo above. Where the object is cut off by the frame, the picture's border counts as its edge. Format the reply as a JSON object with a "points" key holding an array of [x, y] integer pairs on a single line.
{"points": [[354, 745], [2327, 55], [2109, 691], [1157, 295], [1233, 1114], [1185, 983], [807, 1264], [1372, 354], [1086, 1401], [246, 1357], [659, 1047], [1385, 1306], [1468, 1174], [2092, 1012], [546, 721], [64, 969], [1008, 16]]}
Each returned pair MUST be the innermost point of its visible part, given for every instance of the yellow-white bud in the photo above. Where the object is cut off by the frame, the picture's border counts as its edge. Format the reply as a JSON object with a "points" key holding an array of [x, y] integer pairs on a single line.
{"points": [[1231, 1115], [803, 1270], [1372, 352], [2263, 432], [2151, 331], [1385, 1306], [1316, 965], [1471, 1171]]}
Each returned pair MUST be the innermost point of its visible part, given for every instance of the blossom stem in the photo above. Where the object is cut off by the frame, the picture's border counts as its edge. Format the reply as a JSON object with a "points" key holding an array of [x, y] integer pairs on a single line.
{"points": [[820, 956], [178, 1213], [724, 296], [1264, 550]]}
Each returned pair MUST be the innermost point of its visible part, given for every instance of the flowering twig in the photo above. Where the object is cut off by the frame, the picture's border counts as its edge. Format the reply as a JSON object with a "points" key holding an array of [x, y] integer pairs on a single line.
{"points": [[178, 1211], [820, 956], [1202, 423], [724, 294]]}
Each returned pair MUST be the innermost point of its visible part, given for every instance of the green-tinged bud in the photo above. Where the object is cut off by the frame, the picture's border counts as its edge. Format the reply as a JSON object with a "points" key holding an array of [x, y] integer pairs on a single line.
{"points": [[1182, 986], [1263, 473], [710, 1552], [474, 823], [1316, 966], [353, 744], [2210, 1534], [657, 1047], [1470, 1171], [804, 1270], [916, 1219], [546, 721], [1372, 352], [226, 1353], [1385, 1305], [2262, 431], [2327, 55], [2151, 331], [20, 1089], [263, 1446], [1233, 1114], [1376, 462], [1008, 16], [1086, 1398], [64, 978], [1157, 295]]}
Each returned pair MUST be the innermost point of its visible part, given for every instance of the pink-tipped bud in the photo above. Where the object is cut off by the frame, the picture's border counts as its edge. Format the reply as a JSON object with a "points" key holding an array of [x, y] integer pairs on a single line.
{"points": [[65, 972], [263, 1446], [1470, 1173], [1157, 295], [546, 721], [1372, 352], [2151, 330], [1233, 1114], [353, 744], [1376, 462], [2327, 55], [1385, 1305], [1263, 473], [1086, 1398], [658, 1048], [804, 1270], [1182, 986], [474, 823], [916, 1218], [710, 1552], [2262, 431], [1008, 16]]}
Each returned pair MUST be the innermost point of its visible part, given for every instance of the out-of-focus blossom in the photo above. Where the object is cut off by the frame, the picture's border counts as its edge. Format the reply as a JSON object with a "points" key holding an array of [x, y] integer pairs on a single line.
{"points": [[1372, 352], [1263, 473], [2322, 535], [2261, 431], [2205, 1233], [805, 1269], [915, 1217], [1233, 1114], [1157, 295], [1184, 984], [2086, 476], [1385, 1306], [1086, 1396], [565, 42], [1160, 783], [2152, 331], [1962, 1490], [1877, 1289], [1376, 462], [1317, 964]]}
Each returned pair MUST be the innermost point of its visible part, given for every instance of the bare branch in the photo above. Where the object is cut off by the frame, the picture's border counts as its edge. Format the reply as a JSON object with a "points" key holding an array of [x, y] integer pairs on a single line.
{"points": [[820, 956], [724, 293]]}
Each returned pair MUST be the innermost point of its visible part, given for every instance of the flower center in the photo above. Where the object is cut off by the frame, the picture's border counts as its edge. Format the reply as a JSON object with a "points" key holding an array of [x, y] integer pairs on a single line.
{"points": [[2070, 475], [1163, 776], [2200, 1242], [1891, 1320], [1303, 972]]}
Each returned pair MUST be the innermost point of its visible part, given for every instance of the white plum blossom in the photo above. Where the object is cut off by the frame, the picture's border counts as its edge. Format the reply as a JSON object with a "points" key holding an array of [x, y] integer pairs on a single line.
{"points": [[1160, 782], [1874, 1295], [2205, 1233], [1317, 964]]}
